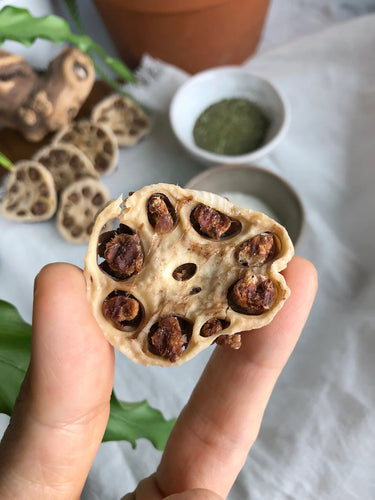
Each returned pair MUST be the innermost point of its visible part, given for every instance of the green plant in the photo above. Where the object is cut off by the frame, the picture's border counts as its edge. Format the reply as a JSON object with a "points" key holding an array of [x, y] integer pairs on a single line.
{"points": [[127, 421]]}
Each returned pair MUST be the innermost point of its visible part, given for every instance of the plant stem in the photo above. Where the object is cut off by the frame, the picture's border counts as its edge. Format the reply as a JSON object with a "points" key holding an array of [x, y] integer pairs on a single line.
{"points": [[6, 163]]}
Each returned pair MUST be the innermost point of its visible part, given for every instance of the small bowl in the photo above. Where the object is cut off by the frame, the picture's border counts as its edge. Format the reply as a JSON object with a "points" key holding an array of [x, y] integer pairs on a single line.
{"points": [[265, 192], [213, 85]]}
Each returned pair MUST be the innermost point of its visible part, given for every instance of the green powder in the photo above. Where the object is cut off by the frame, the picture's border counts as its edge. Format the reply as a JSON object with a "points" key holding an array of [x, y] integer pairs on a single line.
{"points": [[231, 127]]}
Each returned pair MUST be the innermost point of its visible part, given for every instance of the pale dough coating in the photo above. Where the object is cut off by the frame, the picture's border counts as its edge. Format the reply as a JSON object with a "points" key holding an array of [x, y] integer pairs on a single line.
{"points": [[161, 295], [125, 118], [95, 140], [30, 193]]}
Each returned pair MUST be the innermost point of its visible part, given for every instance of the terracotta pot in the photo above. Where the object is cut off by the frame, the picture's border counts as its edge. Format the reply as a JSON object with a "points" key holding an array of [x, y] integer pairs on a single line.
{"points": [[191, 34]]}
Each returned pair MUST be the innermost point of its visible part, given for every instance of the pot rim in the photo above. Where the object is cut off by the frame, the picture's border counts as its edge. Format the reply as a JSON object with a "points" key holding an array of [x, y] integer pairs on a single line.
{"points": [[166, 6]]}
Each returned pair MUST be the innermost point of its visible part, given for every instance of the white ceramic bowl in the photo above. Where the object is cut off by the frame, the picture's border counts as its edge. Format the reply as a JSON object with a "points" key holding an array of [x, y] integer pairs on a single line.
{"points": [[213, 85], [258, 189]]}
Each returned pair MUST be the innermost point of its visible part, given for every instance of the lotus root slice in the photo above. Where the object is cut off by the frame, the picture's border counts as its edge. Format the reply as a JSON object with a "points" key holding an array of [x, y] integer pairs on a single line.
{"points": [[30, 193], [95, 140], [170, 271], [66, 163], [79, 204], [126, 119]]}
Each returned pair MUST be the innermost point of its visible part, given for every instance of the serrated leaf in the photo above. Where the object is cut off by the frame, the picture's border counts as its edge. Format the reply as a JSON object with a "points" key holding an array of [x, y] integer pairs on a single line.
{"points": [[21, 26], [127, 421], [131, 421]]}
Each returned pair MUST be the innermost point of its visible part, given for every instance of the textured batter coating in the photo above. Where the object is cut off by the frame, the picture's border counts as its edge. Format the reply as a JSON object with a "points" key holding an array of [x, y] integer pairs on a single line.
{"points": [[95, 140], [169, 271], [125, 118], [30, 193]]}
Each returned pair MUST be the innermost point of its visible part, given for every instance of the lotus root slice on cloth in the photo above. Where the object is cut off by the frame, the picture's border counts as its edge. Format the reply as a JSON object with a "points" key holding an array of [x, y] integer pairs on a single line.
{"points": [[125, 118], [66, 164], [30, 193], [171, 270], [79, 204], [95, 140]]}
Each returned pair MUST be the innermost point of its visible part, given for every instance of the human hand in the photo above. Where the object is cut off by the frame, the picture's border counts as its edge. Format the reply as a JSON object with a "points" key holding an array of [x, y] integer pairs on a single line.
{"points": [[62, 411]]}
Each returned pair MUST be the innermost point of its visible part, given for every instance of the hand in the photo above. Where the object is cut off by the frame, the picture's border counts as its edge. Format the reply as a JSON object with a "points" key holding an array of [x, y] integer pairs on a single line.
{"points": [[63, 407]]}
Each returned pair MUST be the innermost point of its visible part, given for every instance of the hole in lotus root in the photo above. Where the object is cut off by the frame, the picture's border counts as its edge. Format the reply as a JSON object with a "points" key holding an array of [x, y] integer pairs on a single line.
{"points": [[80, 71], [121, 253], [258, 250], [161, 214], [184, 272], [34, 174], [213, 224], [123, 310], [252, 295], [169, 337], [213, 326]]}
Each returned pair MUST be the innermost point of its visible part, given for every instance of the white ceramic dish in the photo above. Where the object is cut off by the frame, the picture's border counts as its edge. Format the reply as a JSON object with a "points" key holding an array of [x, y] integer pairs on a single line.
{"points": [[213, 85], [262, 187]]}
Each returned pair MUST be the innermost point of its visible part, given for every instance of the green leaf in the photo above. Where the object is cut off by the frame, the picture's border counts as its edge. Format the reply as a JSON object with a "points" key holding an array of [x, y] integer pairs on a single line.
{"points": [[21, 26], [127, 421], [15, 345], [131, 421]]}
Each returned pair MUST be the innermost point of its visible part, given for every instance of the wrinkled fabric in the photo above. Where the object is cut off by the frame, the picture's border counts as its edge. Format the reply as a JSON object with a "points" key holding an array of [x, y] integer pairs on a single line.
{"points": [[317, 438]]}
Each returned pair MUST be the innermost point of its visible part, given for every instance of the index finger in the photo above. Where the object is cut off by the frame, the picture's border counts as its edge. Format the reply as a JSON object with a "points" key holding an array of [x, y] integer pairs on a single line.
{"points": [[215, 431]]}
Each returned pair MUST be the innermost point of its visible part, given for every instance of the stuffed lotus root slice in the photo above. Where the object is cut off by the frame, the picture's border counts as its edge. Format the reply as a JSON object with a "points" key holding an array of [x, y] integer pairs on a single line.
{"points": [[213, 224], [252, 295], [30, 193], [169, 337], [185, 278], [122, 252], [96, 141], [66, 163], [161, 214], [79, 205], [258, 250], [125, 118], [123, 310]]}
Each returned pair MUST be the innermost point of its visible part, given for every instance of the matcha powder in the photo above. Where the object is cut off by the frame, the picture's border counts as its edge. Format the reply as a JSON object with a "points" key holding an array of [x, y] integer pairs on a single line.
{"points": [[231, 127]]}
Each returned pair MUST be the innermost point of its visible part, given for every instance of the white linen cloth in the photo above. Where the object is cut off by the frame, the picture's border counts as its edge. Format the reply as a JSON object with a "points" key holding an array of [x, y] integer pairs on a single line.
{"points": [[317, 438]]}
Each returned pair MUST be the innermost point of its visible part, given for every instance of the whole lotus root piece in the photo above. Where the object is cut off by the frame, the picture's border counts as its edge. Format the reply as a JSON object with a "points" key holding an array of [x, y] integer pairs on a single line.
{"points": [[95, 140], [170, 271], [30, 193], [79, 204], [125, 118], [66, 163]]}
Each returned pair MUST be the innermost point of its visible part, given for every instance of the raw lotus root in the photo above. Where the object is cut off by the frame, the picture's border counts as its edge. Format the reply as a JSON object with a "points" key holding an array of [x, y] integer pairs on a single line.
{"points": [[95, 140], [79, 205], [125, 118], [169, 271], [66, 164], [30, 193]]}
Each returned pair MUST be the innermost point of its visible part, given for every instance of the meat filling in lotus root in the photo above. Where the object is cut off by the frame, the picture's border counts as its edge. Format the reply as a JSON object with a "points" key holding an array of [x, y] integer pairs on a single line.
{"points": [[171, 271]]}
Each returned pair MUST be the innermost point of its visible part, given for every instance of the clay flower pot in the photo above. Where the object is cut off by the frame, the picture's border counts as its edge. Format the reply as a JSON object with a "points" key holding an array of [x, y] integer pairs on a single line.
{"points": [[191, 34]]}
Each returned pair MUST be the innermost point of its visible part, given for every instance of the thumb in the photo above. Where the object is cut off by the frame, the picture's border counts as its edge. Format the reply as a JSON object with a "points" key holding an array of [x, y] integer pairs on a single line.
{"points": [[63, 407]]}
